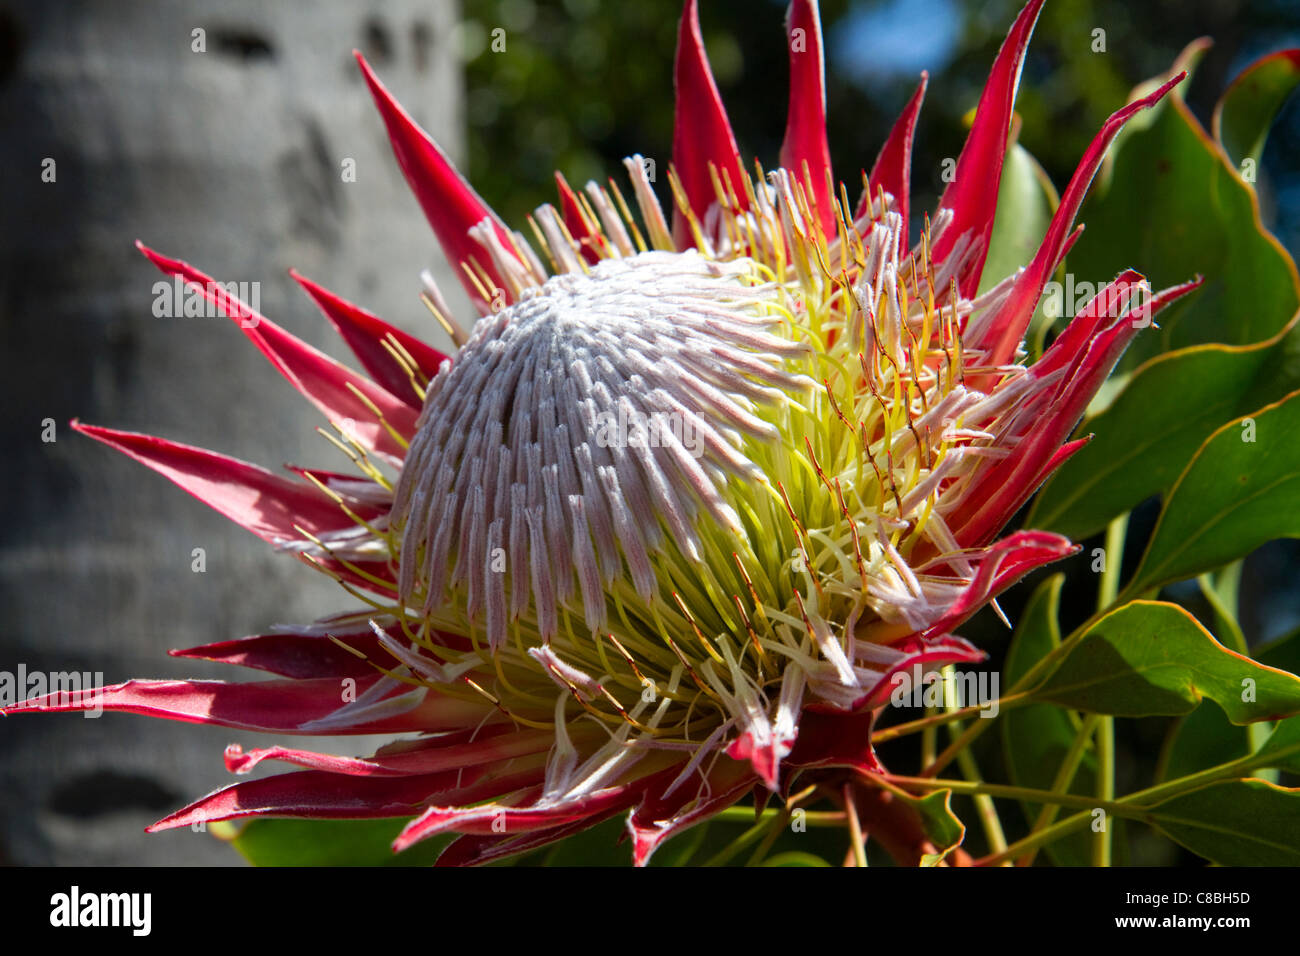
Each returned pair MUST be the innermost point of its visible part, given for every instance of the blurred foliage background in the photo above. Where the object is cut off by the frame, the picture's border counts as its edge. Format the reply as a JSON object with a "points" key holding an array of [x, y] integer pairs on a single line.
{"points": [[583, 83]]}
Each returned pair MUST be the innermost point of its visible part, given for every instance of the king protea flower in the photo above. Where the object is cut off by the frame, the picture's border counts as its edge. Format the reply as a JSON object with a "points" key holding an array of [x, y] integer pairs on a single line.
{"points": [[689, 493]]}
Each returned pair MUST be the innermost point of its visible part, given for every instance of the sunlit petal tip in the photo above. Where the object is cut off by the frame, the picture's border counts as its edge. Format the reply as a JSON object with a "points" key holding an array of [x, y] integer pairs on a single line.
{"points": [[892, 171], [973, 194], [701, 131], [449, 202], [805, 126]]}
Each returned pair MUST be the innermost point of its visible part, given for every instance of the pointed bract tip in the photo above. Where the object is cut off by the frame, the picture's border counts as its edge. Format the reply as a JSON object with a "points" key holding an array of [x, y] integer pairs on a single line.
{"points": [[702, 133], [164, 263], [805, 141], [93, 431], [972, 193], [450, 203]]}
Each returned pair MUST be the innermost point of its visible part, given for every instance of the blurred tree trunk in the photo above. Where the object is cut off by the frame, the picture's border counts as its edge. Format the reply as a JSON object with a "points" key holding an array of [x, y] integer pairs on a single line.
{"points": [[231, 158]]}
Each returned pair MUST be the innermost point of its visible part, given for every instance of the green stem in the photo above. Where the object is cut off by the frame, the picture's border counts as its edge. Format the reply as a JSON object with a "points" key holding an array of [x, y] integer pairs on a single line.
{"points": [[1009, 702], [929, 732], [1225, 606], [1032, 842], [1194, 781], [1135, 805], [1029, 794], [1021, 693], [859, 844], [1107, 592], [723, 856], [1101, 844], [814, 818], [1108, 589], [761, 850], [1064, 777], [988, 813]]}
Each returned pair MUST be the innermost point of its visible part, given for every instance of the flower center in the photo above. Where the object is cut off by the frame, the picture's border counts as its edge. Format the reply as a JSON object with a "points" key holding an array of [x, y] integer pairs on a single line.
{"points": [[685, 490], [583, 431]]}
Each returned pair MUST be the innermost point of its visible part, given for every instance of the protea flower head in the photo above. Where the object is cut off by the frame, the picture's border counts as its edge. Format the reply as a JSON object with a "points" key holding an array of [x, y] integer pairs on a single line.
{"points": [[687, 496]]}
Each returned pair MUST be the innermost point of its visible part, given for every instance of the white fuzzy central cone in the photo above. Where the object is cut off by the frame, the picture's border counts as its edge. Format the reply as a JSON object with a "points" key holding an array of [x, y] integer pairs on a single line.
{"points": [[585, 430]]}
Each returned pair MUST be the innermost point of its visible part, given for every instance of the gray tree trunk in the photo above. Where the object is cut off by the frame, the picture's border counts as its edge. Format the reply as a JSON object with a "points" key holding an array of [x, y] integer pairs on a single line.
{"points": [[231, 159]]}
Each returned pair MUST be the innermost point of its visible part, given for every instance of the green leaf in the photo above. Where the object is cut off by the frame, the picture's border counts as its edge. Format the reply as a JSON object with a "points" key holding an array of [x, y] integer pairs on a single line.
{"points": [[1188, 61], [1283, 746], [1149, 658], [1026, 201], [940, 824], [1037, 737], [1241, 490], [1173, 205], [1204, 738], [1235, 823], [269, 842], [1144, 440], [1282, 653], [1248, 107], [1222, 591]]}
